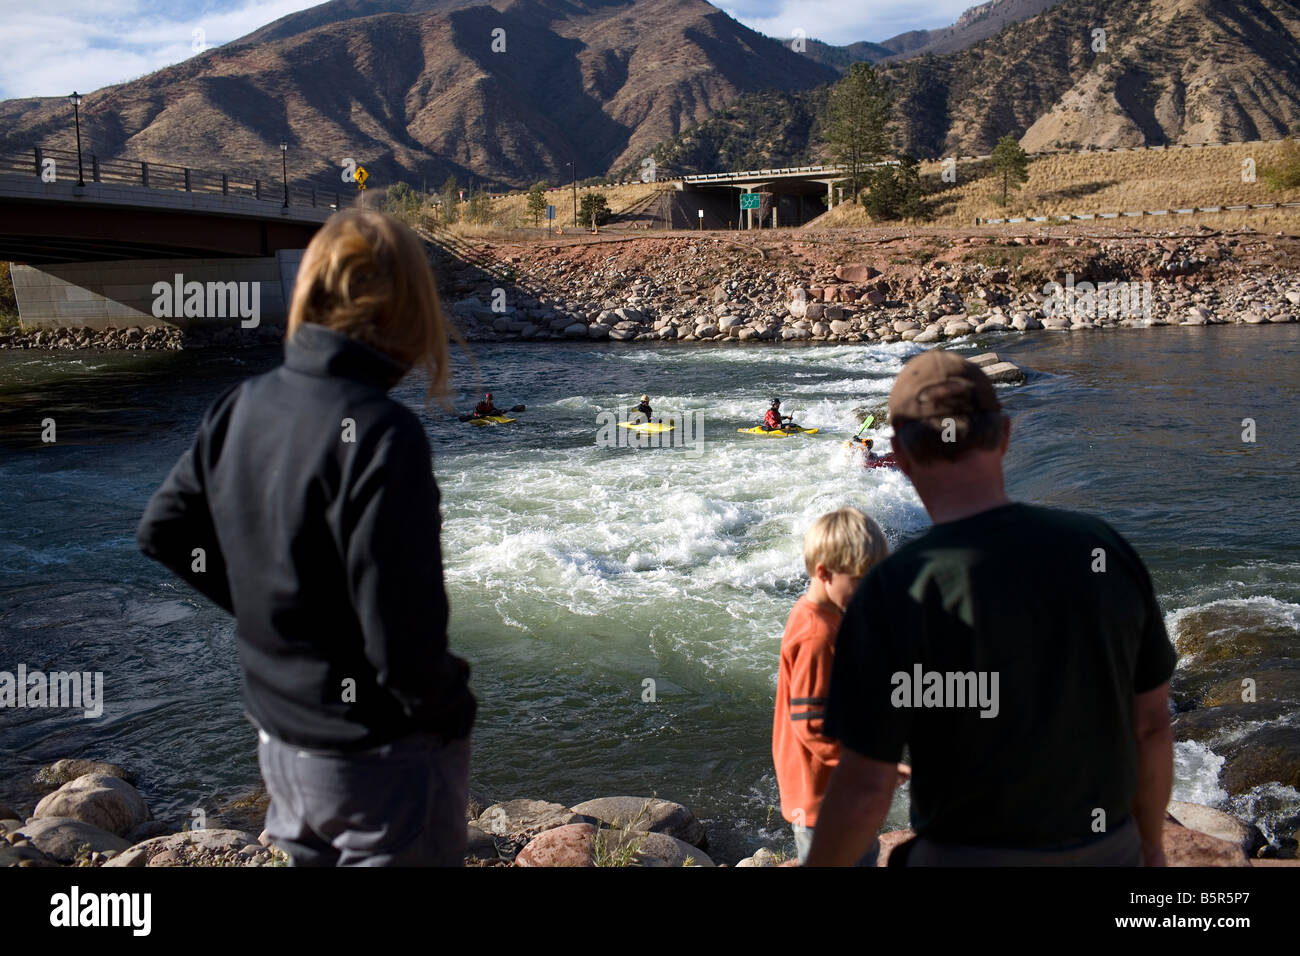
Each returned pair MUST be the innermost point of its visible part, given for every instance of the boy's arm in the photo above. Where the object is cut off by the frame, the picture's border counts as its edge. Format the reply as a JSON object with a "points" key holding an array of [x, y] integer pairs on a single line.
{"points": [[810, 684]]}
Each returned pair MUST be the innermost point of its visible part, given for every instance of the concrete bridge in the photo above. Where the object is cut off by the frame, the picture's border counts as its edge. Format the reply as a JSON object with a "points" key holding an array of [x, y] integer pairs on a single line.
{"points": [[90, 252], [784, 193]]}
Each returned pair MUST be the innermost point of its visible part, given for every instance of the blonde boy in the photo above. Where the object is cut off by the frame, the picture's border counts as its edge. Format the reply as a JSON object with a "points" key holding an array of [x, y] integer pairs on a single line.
{"points": [[838, 550]]}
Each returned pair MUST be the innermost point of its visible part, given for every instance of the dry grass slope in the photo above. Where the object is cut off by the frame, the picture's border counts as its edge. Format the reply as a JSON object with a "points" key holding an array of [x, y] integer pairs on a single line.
{"points": [[1111, 182]]}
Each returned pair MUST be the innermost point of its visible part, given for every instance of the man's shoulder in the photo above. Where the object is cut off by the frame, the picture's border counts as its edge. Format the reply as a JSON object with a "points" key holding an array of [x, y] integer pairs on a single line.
{"points": [[990, 526]]}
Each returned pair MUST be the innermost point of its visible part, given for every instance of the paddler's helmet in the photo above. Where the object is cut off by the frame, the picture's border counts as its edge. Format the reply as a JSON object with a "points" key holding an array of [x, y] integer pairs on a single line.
{"points": [[645, 398], [488, 395], [776, 403], [869, 442]]}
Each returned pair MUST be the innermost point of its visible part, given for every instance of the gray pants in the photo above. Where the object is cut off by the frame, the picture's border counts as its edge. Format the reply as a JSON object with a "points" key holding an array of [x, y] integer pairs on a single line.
{"points": [[1123, 847], [402, 804], [803, 843]]}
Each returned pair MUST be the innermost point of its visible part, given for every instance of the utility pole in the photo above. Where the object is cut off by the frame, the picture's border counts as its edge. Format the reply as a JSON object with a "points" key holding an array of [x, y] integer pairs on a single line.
{"points": [[573, 174]]}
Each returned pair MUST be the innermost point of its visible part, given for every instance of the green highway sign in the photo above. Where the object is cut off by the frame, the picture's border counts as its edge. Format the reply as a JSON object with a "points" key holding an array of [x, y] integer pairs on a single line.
{"points": [[749, 200]]}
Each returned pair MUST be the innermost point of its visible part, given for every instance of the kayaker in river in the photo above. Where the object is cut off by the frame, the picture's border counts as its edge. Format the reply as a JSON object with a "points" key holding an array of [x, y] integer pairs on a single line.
{"points": [[864, 445], [644, 410], [773, 420], [486, 407]]}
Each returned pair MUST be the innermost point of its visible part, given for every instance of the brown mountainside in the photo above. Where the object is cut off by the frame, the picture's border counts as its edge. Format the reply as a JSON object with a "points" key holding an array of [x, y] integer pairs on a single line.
{"points": [[413, 89]]}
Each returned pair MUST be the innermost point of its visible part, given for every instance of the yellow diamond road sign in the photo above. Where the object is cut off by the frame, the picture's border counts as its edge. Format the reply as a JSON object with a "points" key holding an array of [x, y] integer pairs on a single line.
{"points": [[362, 175]]}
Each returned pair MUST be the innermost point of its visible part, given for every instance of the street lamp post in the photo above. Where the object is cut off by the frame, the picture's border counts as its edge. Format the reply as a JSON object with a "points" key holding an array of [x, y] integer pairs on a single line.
{"points": [[75, 99], [284, 169], [573, 174]]}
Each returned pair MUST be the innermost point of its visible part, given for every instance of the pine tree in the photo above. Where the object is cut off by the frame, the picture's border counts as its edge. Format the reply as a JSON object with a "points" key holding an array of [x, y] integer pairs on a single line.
{"points": [[594, 203], [1011, 164], [857, 113], [537, 203]]}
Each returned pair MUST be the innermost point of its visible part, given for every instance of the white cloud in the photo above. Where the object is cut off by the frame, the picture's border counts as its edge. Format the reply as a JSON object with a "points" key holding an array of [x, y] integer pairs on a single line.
{"points": [[89, 44], [51, 48], [838, 22]]}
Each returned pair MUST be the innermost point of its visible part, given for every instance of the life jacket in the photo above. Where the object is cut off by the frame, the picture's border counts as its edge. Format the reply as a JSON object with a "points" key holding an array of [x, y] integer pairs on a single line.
{"points": [[485, 408], [773, 419]]}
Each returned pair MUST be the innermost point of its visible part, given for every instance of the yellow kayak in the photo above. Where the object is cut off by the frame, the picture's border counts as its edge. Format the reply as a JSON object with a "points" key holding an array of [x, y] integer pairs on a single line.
{"points": [[650, 427], [775, 432], [491, 420]]}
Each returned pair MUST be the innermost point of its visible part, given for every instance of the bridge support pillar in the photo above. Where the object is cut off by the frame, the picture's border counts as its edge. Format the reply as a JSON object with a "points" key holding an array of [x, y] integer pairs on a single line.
{"points": [[121, 293]]}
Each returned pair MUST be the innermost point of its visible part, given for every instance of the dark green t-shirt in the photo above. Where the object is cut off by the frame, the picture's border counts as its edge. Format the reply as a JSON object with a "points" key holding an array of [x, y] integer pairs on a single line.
{"points": [[1007, 614]]}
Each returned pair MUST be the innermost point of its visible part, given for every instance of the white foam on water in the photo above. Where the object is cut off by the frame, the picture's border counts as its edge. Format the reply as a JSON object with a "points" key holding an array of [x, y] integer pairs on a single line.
{"points": [[1274, 807], [879, 359], [704, 552], [1196, 774]]}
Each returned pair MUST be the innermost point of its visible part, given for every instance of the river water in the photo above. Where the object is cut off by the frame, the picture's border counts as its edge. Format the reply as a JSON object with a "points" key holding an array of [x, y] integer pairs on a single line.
{"points": [[579, 573]]}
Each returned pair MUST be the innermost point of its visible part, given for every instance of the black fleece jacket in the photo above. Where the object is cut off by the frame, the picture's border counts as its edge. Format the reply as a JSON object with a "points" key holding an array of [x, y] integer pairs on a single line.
{"points": [[311, 495]]}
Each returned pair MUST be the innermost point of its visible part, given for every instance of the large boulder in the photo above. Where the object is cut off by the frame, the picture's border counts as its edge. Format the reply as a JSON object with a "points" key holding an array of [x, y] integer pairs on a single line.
{"points": [[985, 360], [1216, 823], [1184, 847], [61, 837], [526, 818], [855, 272], [65, 771], [107, 802], [648, 814], [561, 846], [582, 845], [575, 330], [1005, 372]]}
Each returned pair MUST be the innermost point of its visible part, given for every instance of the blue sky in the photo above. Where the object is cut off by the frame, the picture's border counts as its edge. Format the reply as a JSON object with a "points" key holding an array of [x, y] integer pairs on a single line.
{"points": [[50, 47]]}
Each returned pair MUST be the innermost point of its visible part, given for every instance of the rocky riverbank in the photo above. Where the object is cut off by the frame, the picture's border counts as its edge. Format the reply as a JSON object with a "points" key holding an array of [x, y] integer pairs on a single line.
{"points": [[842, 286], [846, 287], [93, 815]]}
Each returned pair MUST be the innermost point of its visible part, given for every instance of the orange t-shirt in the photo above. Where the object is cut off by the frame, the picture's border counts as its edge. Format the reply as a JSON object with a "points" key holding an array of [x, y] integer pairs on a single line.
{"points": [[803, 756]]}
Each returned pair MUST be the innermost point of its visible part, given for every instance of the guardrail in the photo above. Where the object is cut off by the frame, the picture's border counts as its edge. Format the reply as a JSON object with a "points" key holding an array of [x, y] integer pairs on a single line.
{"points": [[152, 175], [838, 169], [1080, 216]]}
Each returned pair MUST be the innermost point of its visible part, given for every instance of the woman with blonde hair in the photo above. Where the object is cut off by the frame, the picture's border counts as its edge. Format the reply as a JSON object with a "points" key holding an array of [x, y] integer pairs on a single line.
{"points": [[307, 508]]}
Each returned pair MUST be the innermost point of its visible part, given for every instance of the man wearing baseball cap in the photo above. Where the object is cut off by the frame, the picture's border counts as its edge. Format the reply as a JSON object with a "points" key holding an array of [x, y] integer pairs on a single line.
{"points": [[1018, 652]]}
